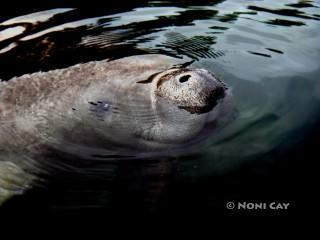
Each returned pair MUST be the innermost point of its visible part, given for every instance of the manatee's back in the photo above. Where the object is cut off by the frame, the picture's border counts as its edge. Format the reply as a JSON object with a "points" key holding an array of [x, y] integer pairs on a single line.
{"points": [[28, 89], [23, 99]]}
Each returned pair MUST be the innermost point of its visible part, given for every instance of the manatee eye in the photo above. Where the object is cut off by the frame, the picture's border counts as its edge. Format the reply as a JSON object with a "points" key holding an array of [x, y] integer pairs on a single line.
{"points": [[184, 78]]}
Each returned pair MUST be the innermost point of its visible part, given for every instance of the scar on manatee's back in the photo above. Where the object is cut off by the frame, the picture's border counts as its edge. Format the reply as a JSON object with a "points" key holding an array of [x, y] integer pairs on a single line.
{"points": [[100, 108]]}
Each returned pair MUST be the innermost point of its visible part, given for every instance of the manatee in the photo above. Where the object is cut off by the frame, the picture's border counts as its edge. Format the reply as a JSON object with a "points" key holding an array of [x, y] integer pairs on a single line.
{"points": [[137, 104]]}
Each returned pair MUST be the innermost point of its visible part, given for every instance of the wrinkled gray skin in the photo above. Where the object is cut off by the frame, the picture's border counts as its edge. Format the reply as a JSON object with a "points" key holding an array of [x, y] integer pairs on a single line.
{"points": [[135, 104]]}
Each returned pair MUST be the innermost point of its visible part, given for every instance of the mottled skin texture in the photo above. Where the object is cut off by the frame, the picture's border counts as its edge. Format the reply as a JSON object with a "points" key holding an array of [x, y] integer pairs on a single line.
{"points": [[139, 103], [66, 103]]}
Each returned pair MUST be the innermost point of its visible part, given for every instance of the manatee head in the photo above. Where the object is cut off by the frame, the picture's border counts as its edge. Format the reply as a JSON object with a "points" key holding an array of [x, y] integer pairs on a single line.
{"points": [[196, 91], [187, 101]]}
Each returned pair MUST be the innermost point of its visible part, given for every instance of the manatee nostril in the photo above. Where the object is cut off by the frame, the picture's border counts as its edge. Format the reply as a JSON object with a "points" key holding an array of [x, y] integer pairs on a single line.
{"points": [[184, 78]]}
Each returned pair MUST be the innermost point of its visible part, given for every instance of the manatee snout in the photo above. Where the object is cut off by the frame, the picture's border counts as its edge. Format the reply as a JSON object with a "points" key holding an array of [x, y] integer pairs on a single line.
{"points": [[211, 88], [214, 93], [197, 91]]}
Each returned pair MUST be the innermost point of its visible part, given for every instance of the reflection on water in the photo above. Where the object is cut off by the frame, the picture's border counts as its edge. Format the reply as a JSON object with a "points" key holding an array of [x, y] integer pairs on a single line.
{"points": [[266, 51]]}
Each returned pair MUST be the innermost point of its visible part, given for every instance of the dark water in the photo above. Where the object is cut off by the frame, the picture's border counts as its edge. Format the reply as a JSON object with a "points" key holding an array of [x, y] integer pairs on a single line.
{"points": [[266, 51]]}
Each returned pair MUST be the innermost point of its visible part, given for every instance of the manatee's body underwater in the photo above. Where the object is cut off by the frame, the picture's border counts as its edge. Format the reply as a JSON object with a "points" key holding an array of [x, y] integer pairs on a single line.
{"points": [[136, 104]]}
